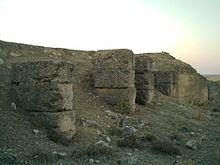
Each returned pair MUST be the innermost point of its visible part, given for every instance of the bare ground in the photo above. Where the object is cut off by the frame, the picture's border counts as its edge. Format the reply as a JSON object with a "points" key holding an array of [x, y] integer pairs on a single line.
{"points": [[158, 135]]}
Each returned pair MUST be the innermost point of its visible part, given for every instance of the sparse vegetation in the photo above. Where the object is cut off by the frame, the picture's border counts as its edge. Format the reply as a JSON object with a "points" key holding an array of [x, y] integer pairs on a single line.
{"points": [[130, 141], [96, 151], [115, 131], [44, 157], [165, 147], [199, 116], [148, 137], [122, 108]]}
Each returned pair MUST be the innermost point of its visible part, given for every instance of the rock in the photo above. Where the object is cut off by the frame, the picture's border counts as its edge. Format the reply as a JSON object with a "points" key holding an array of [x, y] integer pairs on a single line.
{"points": [[92, 123], [36, 131], [192, 133], [62, 154], [192, 144], [13, 106], [112, 114], [14, 54], [1, 61], [108, 139], [91, 160], [130, 129], [97, 161], [102, 143]]}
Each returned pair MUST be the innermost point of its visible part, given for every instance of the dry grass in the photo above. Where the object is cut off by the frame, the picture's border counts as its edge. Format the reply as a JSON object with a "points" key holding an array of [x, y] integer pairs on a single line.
{"points": [[199, 116], [130, 141], [165, 147], [115, 131]]}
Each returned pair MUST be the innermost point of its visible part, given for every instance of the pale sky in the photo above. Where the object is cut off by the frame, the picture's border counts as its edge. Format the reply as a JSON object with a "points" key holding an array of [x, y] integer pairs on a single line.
{"points": [[187, 29]]}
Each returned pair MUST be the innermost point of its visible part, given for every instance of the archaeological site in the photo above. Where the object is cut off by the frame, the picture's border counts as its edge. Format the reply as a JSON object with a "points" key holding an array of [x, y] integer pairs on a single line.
{"points": [[61, 106]]}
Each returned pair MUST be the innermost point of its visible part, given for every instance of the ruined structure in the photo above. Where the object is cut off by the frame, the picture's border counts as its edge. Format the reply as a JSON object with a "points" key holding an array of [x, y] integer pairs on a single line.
{"points": [[114, 77], [177, 79], [144, 80], [45, 89], [53, 84]]}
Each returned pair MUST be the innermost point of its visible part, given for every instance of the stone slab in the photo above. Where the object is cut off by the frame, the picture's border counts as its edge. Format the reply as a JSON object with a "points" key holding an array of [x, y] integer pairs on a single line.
{"points": [[114, 59], [114, 78], [54, 70], [43, 97]]}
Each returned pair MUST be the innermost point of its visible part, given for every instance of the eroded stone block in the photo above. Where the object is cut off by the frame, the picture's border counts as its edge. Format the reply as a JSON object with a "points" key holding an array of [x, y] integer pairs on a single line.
{"points": [[56, 71], [144, 81], [143, 64], [43, 97], [114, 78], [114, 59], [115, 96], [144, 96]]}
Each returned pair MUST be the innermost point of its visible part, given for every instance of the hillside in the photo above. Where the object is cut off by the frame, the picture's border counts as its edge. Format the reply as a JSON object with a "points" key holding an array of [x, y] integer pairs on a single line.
{"points": [[160, 130]]}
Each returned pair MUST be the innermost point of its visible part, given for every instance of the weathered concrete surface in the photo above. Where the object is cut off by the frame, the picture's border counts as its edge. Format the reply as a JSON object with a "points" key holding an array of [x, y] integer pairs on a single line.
{"points": [[44, 86], [144, 96], [114, 96], [47, 71], [178, 79], [114, 77], [43, 97], [144, 81], [191, 88], [114, 59], [143, 64]]}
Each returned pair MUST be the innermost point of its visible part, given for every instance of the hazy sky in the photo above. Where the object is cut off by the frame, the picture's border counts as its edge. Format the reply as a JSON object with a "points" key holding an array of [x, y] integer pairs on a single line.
{"points": [[187, 29]]}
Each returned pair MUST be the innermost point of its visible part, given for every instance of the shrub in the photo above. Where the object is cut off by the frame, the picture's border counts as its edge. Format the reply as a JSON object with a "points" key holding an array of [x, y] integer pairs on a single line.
{"points": [[122, 108]]}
